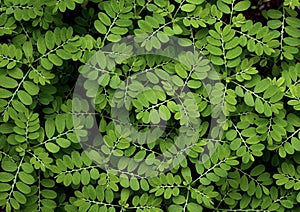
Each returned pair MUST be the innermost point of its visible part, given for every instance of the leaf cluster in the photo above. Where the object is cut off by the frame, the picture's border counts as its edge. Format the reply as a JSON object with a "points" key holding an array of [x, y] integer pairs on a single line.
{"points": [[253, 165]]}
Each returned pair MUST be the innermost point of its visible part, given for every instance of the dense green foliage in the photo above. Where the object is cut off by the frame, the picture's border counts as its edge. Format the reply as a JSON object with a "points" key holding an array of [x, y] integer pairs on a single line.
{"points": [[44, 44]]}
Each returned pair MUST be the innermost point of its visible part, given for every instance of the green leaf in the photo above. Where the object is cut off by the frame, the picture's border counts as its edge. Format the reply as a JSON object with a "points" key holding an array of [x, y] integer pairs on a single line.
{"points": [[152, 77], [63, 54], [214, 50], [41, 45], [271, 91], [180, 70], [4, 187], [191, 206], [249, 99], [291, 41], [19, 197], [177, 29], [94, 173], [51, 147], [24, 97], [292, 21], [257, 170], [244, 183], [60, 123], [259, 106], [298, 197], [100, 27], [46, 63], [23, 187], [223, 7], [27, 168], [85, 177], [194, 84], [196, 2], [31, 88], [50, 128], [274, 14], [53, 58], [212, 177], [109, 195], [232, 44], [114, 82], [220, 172], [9, 166], [177, 80], [5, 93], [145, 26], [28, 49], [62, 142], [140, 155], [164, 112], [154, 116], [295, 143], [168, 193], [267, 109], [175, 208], [144, 199], [8, 82], [287, 203], [262, 85], [179, 199], [233, 53], [274, 24], [26, 178], [14, 204], [49, 40], [104, 18], [113, 37], [6, 177], [288, 148], [188, 7], [49, 194], [134, 184], [231, 99], [242, 6]]}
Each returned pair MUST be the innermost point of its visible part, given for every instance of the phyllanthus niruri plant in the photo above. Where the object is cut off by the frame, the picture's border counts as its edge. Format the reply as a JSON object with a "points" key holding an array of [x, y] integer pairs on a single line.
{"points": [[46, 45], [156, 97]]}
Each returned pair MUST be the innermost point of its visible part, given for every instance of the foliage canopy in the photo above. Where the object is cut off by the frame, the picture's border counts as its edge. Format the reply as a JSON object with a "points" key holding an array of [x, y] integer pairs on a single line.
{"points": [[44, 45]]}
